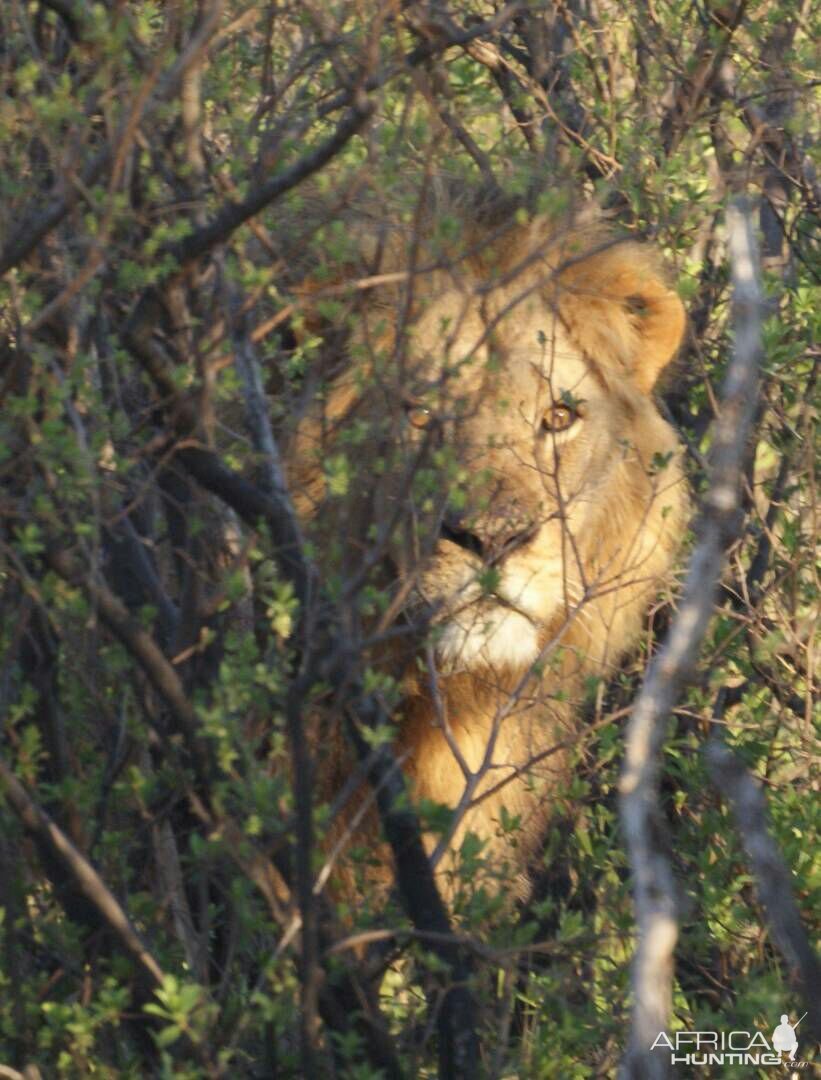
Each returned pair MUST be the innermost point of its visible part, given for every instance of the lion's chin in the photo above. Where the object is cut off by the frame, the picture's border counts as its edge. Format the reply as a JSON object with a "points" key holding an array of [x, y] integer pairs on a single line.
{"points": [[487, 636]]}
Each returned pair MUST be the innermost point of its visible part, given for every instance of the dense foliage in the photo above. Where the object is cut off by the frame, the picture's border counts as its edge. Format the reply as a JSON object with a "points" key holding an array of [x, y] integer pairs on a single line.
{"points": [[170, 173]]}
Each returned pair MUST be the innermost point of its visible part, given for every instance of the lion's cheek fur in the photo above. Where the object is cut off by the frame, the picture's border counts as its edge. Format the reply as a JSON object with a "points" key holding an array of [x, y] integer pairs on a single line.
{"points": [[500, 631], [487, 635]]}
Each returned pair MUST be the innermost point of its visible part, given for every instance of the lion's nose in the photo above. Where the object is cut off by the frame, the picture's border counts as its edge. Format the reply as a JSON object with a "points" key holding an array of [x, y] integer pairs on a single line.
{"points": [[490, 544], [453, 529]]}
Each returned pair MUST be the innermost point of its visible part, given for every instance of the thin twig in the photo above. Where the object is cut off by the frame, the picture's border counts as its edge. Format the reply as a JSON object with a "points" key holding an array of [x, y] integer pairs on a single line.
{"points": [[37, 222]]}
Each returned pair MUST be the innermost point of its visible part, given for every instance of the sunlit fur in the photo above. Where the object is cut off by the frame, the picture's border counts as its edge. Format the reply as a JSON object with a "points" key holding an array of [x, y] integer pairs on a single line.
{"points": [[592, 515]]}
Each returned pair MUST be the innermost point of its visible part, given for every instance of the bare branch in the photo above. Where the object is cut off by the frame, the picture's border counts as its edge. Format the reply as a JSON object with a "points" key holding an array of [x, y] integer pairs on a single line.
{"points": [[440, 35], [336, 664], [772, 876], [92, 886], [694, 87], [274, 482], [459, 1045], [232, 215], [149, 655], [653, 885], [257, 411]]}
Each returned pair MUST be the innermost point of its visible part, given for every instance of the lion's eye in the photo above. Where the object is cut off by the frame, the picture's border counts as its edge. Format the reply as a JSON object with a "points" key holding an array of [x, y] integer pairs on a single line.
{"points": [[559, 417], [418, 415]]}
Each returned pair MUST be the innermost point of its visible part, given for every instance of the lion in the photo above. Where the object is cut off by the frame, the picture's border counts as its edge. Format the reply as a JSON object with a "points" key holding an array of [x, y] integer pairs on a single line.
{"points": [[523, 495]]}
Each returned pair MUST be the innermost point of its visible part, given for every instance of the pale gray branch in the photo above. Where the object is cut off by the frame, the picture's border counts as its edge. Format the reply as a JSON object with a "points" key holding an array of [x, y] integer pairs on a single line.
{"points": [[273, 480], [642, 819], [772, 876]]}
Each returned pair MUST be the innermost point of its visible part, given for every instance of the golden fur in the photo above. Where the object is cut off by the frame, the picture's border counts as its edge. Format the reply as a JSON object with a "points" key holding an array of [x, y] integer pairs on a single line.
{"points": [[524, 372]]}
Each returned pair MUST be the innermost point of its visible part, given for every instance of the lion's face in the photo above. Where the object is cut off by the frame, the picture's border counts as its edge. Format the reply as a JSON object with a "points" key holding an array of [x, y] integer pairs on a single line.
{"points": [[548, 437], [559, 488]]}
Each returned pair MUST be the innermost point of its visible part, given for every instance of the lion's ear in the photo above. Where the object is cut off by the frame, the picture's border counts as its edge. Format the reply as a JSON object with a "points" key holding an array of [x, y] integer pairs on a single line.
{"points": [[659, 318], [620, 310]]}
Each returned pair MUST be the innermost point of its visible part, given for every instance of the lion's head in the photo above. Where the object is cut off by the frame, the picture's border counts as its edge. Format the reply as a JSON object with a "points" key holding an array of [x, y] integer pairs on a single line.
{"points": [[523, 374], [493, 453]]}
